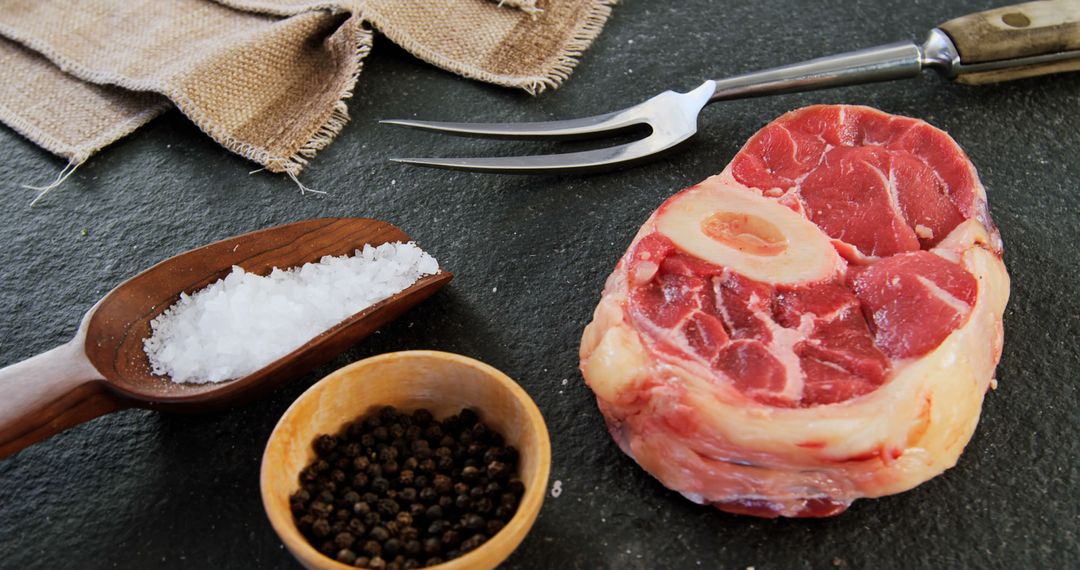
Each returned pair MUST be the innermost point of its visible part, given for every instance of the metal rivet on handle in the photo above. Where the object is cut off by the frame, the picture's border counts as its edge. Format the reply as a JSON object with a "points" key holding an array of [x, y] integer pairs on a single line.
{"points": [[1016, 20]]}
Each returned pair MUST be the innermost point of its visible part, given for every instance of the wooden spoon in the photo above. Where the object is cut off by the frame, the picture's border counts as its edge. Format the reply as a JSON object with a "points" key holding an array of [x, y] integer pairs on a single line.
{"points": [[104, 368]]}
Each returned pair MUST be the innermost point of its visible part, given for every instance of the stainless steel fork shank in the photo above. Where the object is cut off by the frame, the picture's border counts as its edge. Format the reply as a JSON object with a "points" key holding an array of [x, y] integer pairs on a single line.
{"points": [[884, 63]]}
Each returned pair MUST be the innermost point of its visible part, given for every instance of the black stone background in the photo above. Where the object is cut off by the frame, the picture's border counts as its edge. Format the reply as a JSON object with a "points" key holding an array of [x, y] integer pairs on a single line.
{"points": [[142, 489]]}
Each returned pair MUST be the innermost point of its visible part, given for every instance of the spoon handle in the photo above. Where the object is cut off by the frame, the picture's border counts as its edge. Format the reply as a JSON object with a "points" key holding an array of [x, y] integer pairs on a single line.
{"points": [[48, 393]]}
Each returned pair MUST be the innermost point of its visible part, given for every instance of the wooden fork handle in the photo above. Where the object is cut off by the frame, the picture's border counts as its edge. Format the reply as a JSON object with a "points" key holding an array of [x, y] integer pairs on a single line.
{"points": [[48, 393], [1013, 32]]}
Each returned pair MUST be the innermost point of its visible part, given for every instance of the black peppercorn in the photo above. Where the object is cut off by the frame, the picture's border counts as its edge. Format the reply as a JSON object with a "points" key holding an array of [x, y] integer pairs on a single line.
{"points": [[388, 453], [473, 542], [468, 417], [388, 507], [422, 417], [321, 509], [493, 454], [388, 471], [390, 467], [474, 522], [432, 546], [497, 470], [356, 526], [346, 556], [344, 540], [374, 471], [393, 527], [408, 494], [433, 561], [451, 538], [444, 464], [372, 547], [428, 494], [420, 445], [325, 444], [320, 528], [379, 533]]}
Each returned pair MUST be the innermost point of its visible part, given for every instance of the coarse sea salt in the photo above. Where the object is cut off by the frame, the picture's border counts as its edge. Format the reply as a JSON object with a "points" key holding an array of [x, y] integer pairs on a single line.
{"points": [[243, 322]]}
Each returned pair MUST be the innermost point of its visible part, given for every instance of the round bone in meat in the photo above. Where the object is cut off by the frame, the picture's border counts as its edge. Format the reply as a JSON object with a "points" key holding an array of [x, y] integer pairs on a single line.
{"points": [[816, 324]]}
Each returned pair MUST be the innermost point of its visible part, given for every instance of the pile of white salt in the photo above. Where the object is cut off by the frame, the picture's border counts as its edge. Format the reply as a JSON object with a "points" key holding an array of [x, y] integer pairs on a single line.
{"points": [[243, 322]]}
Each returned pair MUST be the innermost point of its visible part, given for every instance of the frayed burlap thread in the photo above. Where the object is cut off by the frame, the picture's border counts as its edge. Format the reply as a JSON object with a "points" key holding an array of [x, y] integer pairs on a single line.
{"points": [[267, 79]]}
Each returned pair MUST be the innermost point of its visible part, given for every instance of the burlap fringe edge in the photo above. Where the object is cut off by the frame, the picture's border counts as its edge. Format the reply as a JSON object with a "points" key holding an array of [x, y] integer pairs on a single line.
{"points": [[553, 74], [567, 58], [339, 116]]}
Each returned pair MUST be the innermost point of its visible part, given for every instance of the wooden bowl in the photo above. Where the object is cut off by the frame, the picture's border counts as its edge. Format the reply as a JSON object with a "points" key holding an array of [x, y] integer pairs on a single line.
{"points": [[441, 382]]}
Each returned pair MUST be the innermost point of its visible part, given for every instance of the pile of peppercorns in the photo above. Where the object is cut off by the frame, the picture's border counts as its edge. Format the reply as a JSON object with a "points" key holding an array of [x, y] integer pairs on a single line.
{"points": [[395, 490]]}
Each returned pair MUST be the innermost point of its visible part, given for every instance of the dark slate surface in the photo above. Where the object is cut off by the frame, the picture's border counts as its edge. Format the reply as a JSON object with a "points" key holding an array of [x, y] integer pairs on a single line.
{"points": [[141, 489]]}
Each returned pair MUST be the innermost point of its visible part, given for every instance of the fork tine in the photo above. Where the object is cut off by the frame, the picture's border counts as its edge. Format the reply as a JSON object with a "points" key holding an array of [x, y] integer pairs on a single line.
{"points": [[585, 127], [621, 155]]}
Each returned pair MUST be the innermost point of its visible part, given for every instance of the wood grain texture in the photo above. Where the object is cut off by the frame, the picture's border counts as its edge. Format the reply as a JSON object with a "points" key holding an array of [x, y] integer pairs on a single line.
{"points": [[1021, 30], [104, 368], [442, 382], [49, 393]]}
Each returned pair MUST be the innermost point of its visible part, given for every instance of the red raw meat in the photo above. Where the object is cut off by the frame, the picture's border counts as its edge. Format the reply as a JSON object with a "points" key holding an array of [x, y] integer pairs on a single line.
{"points": [[815, 324]]}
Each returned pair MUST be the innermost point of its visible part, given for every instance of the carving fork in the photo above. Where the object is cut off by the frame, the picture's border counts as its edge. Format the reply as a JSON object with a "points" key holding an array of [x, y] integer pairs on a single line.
{"points": [[1024, 40]]}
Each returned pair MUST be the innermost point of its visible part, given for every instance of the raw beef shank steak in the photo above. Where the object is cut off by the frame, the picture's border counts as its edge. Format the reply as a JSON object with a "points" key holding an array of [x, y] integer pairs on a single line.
{"points": [[817, 323]]}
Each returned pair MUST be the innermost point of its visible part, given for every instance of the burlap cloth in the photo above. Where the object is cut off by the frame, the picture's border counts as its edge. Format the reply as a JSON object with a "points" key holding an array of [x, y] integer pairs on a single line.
{"points": [[267, 79]]}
